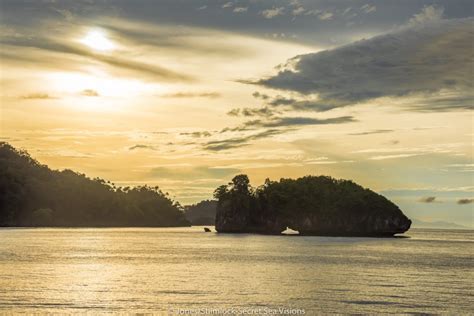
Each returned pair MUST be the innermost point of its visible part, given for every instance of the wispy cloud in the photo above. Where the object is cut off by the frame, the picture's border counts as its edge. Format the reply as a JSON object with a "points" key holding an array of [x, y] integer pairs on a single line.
{"points": [[113, 60], [367, 8], [273, 12], [37, 95], [428, 199], [427, 15], [326, 16], [240, 9], [249, 112], [227, 5], [141, 146], [377, 131], [90, 93], [197, 134], [465, 201], [211, 95], [385, 157], [301, 121], [235, 142]]}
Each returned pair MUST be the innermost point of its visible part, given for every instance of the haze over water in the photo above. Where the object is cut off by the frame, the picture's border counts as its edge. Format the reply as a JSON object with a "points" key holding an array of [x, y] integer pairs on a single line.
{"points": [[161, 269]]}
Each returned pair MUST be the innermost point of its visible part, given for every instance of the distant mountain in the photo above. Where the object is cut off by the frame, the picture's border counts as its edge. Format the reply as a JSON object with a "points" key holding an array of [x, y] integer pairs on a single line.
{"points": [[31, 194], [437, 224], [202, 213]]}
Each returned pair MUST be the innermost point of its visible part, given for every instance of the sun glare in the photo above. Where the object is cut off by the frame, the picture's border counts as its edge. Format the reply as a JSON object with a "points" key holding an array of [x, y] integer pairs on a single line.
{"points": [[98, 40]]}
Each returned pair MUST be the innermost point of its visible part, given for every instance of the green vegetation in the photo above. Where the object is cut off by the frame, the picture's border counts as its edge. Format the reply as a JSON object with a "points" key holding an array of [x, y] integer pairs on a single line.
{"points": [[311, 205], [31, 194]]}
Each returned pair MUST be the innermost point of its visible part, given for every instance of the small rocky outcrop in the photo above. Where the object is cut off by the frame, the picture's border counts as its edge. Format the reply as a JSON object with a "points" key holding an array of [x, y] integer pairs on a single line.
{"points": [[319, 206]]}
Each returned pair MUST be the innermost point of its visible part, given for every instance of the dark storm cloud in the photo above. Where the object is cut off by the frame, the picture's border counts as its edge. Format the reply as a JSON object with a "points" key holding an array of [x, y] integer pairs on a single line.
{"points": [[465, 201], [423, 58]]}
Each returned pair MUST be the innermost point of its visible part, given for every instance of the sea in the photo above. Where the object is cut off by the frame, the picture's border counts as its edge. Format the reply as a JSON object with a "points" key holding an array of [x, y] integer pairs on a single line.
{"points": [[186, 271]]}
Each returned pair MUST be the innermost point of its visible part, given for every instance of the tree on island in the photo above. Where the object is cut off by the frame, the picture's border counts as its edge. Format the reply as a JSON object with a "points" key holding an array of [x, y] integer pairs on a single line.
{"points": [[31, 194], [312, 205]]}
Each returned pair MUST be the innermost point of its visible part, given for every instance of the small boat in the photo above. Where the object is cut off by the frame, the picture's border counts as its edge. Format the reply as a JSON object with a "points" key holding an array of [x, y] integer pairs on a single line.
{"points": [[207, 230]]}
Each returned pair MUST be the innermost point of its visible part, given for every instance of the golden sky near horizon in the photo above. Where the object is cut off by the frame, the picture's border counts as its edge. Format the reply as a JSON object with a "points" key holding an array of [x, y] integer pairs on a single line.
{"points": [[185, 95]]}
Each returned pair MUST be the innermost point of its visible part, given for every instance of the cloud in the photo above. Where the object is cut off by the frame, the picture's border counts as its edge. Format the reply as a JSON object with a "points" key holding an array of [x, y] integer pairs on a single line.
{"points": [[325, 16], [273, 121], [197, 134], [225, 144], [140, 146], [37, 95], [150, 70], [428, 199], [385, 157], [298, 11], [259, 95], [240, 9], [465, 201], [274, 12], [227, 5], [66, 14], [367, 8], [377, 131], [427, 59], [263, 111], [427, 15], [279, 104], [301, 121], [306, 104], [211, 95], [89, 93]]}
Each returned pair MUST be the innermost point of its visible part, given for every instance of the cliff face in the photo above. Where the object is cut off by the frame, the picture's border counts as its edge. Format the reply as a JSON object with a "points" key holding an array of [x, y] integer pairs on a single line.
{"points": [[310, 205], [378, 225]]}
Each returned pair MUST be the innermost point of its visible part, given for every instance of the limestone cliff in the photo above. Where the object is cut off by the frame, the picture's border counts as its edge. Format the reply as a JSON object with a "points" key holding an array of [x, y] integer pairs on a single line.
{"points": [[310, 205]]}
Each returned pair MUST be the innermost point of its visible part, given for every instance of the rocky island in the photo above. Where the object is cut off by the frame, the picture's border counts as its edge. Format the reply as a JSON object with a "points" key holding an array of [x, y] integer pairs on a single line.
{"points": [[312, 205]]}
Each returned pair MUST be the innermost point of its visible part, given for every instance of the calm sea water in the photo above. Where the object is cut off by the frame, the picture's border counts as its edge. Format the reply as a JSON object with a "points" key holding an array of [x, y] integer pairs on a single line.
{"points": [[185, 269]]}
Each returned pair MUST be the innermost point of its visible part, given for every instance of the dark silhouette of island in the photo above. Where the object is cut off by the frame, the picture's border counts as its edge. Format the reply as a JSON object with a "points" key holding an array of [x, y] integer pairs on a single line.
{"points": [[31, 194], [320, 206], [202, 213]]}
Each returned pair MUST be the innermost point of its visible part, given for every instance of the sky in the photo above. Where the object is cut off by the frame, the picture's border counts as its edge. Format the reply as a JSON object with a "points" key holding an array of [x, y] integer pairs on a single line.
{"points": [[187, 94]]}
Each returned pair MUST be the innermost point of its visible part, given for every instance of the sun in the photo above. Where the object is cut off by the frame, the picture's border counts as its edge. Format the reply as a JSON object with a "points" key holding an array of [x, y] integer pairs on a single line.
{"points": [[97, 40]]}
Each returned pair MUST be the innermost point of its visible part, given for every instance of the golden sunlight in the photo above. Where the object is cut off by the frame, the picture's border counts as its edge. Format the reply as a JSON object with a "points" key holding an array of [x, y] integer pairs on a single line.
{"points": [[98, 40]]}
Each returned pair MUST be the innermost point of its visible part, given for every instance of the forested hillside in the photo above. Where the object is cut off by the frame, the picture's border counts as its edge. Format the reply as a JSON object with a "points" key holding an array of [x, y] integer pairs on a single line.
{"points": [[31, 194]]}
